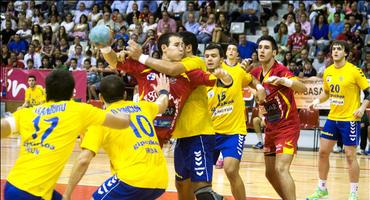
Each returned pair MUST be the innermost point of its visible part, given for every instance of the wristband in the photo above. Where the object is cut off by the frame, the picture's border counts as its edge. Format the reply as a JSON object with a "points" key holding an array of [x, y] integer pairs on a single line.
{"points": [[316, 101], [287, 82], [259, 87], [143, 58], [106, 50], [164, 91]]}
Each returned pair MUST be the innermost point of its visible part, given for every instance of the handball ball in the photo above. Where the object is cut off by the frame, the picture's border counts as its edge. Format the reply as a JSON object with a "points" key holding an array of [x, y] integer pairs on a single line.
{"points": [[100, 34]]}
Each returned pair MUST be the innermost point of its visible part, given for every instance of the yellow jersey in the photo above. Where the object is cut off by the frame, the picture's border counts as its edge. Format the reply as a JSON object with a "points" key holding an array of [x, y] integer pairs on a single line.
{"points": [[134, 152], [35, 96], [194, 118], [48, 134], [344, 86], [225, 104]]}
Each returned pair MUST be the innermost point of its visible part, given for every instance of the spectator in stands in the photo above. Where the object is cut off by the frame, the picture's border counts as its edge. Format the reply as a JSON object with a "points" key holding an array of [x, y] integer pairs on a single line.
{"points": [[30, 64], [120, 5], [89, 56], [14, 62], [338, 9], [73, 65], [166, 20], [47, 48], [156, 55], [59, 64], [297, 41], [352, 11], [141, 36], [176, 8], [255, 62], [288, 57], [7, 32], [264, 31], [336, 27], [317, 8], [190, 9], [8, 19], [245, 47], [81, 11], [33, 55], [77, 54], [17, 44], [24, 32], [68, 23], [307, 70], [299, 11], [63, 47], [258, 125], [319, 62], [81, 29], [191, 24], [47, 32], [144, 14], [235, 9], [120, 21], [221, 33], [205, 12], [95, 15], [106, 20], [135, 23], [54, 23], [5, 55], [61, 33], [290, 22], [290, 12], [150, 24], [46, 64], [303, 59], [204, 35], [133, 11], [354, 23], [346, 34], [37, 33], [281, 37], [305, 24], [150, 45], [250, 13], [320, 33], [293, 67], [57, 54]]}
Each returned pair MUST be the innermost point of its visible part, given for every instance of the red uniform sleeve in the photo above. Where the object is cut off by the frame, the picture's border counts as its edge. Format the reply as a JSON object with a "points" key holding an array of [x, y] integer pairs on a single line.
{"points": [[131, 66], [200, 77], [256, 72], [285, 72]]}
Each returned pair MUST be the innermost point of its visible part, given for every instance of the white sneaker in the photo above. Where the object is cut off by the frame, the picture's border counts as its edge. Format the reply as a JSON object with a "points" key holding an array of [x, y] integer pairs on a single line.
{"points": [[337, 149]]}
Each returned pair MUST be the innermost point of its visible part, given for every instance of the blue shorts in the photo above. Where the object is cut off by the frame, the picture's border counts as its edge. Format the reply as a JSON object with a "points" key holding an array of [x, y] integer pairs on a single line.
{"points": [[347, 131], [114, 189], [13, 193], [229, 146], [194, 158]]}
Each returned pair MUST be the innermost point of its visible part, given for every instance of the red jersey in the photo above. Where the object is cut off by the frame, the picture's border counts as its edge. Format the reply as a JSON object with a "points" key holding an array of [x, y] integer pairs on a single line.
{"points": [[280, 104], [180, 89], [297, 40]]}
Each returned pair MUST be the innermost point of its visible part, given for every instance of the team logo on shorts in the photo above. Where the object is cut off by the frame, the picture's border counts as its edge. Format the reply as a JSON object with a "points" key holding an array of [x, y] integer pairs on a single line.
{"points": [[352, 135], [150, 76], [199, 170]]}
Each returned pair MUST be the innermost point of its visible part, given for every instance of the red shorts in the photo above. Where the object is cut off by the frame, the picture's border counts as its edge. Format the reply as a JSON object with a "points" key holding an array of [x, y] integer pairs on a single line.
{"points": [[279, 141]]}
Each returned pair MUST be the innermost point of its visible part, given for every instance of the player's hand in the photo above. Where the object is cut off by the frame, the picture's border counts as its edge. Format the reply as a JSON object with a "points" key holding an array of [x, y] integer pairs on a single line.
{"points": [[121, 56], [134, 50], [66, 197], [261, 95], [359, 113], [261, 110], [246, 64], [314, 103], [220, 73], [274, 80], [163, 83]]}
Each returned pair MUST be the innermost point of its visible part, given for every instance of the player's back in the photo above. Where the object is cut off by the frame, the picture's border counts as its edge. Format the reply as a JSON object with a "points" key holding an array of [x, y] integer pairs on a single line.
{"points": [[195, 118], [134, 152], [48, 133]]}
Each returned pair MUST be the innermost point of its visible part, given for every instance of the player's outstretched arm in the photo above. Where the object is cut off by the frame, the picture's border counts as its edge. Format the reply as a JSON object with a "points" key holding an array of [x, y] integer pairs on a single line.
{"points": [[117, 121], [162, 88], [295, 85], [135, 52], [109, 56], [261, 92], [223, 76], [78, 171]]}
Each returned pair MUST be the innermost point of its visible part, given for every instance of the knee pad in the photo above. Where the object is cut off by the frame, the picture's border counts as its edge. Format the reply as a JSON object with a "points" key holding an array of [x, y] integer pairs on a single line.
{"points": [[207, 193]]}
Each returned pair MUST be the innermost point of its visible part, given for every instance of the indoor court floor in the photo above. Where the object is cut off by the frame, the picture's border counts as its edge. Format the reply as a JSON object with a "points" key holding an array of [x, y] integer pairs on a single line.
{"points": [[303, 169]]}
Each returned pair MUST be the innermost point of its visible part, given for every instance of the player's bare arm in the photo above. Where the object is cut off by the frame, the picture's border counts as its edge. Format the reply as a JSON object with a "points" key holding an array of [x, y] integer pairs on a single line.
{"points": [[361, 110], [78, 171], [134, 51], [117, 121], [260, 90], [295, 85], [223, 76], [324, 97]]}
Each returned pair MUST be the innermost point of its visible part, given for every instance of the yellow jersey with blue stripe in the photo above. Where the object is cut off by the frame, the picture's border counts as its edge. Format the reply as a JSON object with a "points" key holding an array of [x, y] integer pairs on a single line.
{"points": [[134, 152], [35, 96], [225, 104], [48, 134], [344, 86], [194, 118]]}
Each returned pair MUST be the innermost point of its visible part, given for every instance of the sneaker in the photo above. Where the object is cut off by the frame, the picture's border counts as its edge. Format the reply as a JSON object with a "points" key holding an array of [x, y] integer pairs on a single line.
{"points": [[353, 196], [219, 164], [318, 194], [361, 152], [337, 149], [259, 145]]}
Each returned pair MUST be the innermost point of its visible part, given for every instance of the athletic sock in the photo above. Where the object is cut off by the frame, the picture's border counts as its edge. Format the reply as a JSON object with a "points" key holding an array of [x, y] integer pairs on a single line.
{"points": [[322, 184], [354, 188]]}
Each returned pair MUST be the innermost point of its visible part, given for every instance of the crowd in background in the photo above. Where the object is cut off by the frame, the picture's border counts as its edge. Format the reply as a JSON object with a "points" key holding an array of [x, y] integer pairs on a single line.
{"points": [[54, 34]]}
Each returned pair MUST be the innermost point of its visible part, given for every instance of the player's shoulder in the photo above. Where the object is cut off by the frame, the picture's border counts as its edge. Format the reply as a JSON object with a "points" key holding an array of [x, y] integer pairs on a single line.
{"points": [[256, 70]]}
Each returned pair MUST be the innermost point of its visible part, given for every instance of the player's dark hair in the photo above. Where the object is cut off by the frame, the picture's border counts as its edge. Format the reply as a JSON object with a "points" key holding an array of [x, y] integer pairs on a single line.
{"points": [[340, 43], [216, 46], [270, 39], [165, 39], [189, 38], [112, 88], [59, 85], [31, 76]]}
